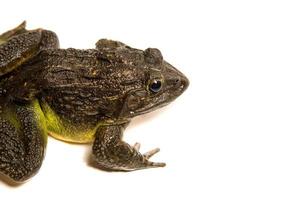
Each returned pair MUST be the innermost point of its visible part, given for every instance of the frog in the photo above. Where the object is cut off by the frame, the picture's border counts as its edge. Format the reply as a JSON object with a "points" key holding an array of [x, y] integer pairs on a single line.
{"points": [[83, 96]]}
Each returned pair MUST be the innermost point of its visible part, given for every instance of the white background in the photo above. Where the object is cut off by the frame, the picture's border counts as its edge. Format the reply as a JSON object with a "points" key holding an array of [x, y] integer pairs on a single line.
{"points": [[234, 134]]}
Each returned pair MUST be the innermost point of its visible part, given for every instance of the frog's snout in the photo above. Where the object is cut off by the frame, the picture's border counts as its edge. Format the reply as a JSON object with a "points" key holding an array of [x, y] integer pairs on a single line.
{"points": [[179, 83], [182, 82], [176, 80]]}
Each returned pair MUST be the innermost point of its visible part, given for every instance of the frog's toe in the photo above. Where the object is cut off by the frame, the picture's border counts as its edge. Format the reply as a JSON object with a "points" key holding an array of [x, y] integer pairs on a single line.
{"points": [[148, 155], [156, 164], [137, 146]]}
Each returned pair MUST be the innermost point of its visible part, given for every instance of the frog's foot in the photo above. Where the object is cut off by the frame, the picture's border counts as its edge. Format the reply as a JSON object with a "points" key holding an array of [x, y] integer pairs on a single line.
{"points": [[111, 153], [148, 155], [13, 32]]}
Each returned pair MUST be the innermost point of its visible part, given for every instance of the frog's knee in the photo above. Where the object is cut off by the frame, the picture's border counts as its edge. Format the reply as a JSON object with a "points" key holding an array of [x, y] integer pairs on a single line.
{"points": [[19, 174], [49, 40]]}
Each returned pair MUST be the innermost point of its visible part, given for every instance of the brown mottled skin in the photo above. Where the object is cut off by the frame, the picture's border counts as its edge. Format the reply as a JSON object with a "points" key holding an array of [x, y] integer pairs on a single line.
{"points": [[79, 96]]}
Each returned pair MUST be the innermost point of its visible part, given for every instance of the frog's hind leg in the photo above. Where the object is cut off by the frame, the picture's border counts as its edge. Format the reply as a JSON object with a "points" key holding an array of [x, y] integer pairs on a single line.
{"points": [[20, 45], [48, 38], [22, 144]]}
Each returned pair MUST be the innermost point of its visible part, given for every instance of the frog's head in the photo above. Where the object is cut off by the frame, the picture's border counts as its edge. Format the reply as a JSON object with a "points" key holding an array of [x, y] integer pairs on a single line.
{"points": [[149, 82]]}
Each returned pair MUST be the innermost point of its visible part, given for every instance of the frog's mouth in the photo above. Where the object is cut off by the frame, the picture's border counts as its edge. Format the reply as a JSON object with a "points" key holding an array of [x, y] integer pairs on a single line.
{"points": [[162, 99]]}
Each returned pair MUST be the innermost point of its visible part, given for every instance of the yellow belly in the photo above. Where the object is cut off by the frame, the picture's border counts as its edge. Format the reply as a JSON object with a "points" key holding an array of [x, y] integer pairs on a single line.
{"points": [[62, 130], [82, 138]]}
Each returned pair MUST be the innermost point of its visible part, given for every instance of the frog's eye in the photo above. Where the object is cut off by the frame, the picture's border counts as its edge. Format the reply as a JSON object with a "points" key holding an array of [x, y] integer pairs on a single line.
{"points": [[155, 85]]}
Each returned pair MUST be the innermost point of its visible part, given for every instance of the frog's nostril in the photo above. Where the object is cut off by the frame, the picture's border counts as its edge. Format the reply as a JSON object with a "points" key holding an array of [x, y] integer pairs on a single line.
{"points": [[177, 82]]}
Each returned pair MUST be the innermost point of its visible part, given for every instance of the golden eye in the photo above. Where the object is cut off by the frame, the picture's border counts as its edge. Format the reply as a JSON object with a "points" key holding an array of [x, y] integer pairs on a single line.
{"points": [[155, 85]]}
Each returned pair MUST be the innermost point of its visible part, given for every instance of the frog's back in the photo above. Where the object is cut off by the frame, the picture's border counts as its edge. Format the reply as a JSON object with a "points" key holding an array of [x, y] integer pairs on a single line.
{"points": [[73, 96]]}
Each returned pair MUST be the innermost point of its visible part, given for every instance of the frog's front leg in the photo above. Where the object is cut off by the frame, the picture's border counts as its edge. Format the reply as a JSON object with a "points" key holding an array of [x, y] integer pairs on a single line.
{"points": [[111, 153], [22, 143]]}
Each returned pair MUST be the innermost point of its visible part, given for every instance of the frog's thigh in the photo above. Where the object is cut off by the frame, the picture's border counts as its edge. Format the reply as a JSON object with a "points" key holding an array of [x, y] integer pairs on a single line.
{"points": [[22, 145], [22, 47]]}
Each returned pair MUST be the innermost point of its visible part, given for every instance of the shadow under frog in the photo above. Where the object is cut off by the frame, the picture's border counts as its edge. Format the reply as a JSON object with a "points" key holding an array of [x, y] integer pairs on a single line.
{"points": [[78, 96]]}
